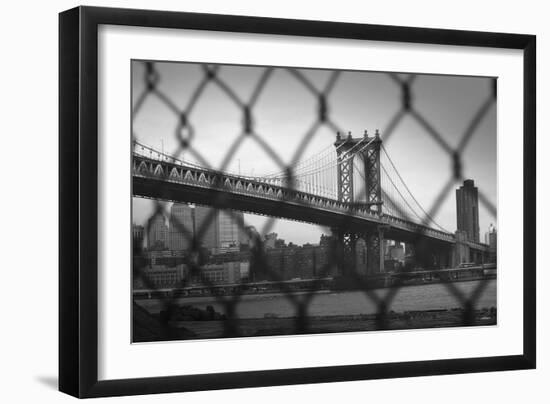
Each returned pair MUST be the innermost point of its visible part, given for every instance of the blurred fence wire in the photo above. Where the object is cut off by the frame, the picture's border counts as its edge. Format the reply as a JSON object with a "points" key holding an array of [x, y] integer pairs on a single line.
{"points": [[163, 326]]}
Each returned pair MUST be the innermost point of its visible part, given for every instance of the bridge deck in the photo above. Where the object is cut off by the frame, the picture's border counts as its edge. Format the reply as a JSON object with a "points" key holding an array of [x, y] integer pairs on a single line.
{"points": [[175, 181]]}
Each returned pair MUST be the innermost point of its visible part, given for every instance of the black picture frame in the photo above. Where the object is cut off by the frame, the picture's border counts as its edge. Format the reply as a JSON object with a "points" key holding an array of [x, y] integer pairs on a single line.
{"points": [[78, 200]]}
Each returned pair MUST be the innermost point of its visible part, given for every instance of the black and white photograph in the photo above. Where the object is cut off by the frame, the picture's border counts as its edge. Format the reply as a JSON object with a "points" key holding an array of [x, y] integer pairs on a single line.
{"points": [[275, 202], [271, 201]]}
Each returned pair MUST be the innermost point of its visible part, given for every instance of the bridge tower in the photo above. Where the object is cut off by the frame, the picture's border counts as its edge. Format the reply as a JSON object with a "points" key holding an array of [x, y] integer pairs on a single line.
{"points": [[371, 161], [344, 155], [366, 149]]}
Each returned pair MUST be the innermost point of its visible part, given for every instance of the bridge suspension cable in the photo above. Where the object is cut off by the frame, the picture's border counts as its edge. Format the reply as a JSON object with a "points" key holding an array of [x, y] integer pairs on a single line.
{"points": [[305, 163], [317, 174], [427, 217], [308, 163], [322, 173], [391, 193], [344, 157], [150, 152], [397, 210]]}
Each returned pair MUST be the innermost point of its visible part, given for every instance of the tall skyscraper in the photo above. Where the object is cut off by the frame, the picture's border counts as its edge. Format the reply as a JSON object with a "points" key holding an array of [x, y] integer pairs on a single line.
{"points": [[492, 241], [467, 210], [181, 227], [157, 235], [224, 230], [231, 224], [138, 235], [206, 226], [137, 231]]}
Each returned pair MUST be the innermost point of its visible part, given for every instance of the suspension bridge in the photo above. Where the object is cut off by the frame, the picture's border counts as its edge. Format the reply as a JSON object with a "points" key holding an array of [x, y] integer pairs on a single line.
{"points": [[352, 186]]}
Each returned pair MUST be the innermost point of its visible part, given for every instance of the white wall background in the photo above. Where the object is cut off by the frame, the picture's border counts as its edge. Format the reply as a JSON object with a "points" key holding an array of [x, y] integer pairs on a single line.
{"points": [[28, 93]]}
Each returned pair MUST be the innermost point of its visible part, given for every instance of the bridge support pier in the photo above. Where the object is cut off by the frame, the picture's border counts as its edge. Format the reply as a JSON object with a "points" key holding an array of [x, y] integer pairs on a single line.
{"points": [[345, 251], [461, 251], [373, 254], [349, 266], [347, 257], [375, 251], [425, 253]]}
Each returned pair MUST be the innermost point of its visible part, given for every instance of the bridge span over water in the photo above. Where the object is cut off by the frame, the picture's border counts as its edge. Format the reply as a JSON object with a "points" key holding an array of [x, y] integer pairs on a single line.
{"points": [[321, 190]]}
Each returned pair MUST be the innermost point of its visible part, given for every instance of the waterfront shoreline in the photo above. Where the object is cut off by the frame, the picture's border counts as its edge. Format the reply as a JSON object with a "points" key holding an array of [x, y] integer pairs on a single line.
{"points": [[341, 287], [277, 326]]}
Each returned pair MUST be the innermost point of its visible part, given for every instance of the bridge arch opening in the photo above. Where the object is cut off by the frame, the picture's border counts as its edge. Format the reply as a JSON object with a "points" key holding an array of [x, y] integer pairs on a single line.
{"points": [[159, 170], [174, 173], [188, 176], [143, 169]]}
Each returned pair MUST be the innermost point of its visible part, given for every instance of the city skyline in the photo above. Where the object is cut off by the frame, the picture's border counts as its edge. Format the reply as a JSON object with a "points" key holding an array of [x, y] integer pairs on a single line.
{"points": [[221, 231]]}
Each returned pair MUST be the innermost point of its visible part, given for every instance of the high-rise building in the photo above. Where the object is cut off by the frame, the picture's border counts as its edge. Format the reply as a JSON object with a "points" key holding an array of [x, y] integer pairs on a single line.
{"points": [[157, 235], [206, 226], [492, 241], [138, 235], [219, 231], [181, 227], [231, 225], [467, 210]]}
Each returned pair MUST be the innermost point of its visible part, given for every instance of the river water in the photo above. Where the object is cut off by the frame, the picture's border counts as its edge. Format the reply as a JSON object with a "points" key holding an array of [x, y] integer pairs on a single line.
{"points": [[324, 303]]}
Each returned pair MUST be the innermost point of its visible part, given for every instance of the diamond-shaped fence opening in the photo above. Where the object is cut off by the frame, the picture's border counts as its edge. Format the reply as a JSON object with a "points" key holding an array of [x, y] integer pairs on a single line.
{"points": [[174, 112]]}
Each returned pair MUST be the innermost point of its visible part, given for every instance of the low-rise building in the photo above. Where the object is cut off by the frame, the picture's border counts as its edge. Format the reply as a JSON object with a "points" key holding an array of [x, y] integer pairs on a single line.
{"points": [[160, 277], [220, 273]]}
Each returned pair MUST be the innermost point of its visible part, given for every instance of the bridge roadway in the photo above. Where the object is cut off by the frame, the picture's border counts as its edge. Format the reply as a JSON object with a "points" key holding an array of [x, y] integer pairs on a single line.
{"points": [[173, 180]]}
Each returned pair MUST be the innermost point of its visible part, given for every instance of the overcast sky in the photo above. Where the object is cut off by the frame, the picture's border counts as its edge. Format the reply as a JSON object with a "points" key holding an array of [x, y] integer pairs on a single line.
{"points": [[286, 110]]}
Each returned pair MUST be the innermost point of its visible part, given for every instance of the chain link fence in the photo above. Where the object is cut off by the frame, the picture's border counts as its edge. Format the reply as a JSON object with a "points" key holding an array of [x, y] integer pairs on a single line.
{"points": [[173, 318]]}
